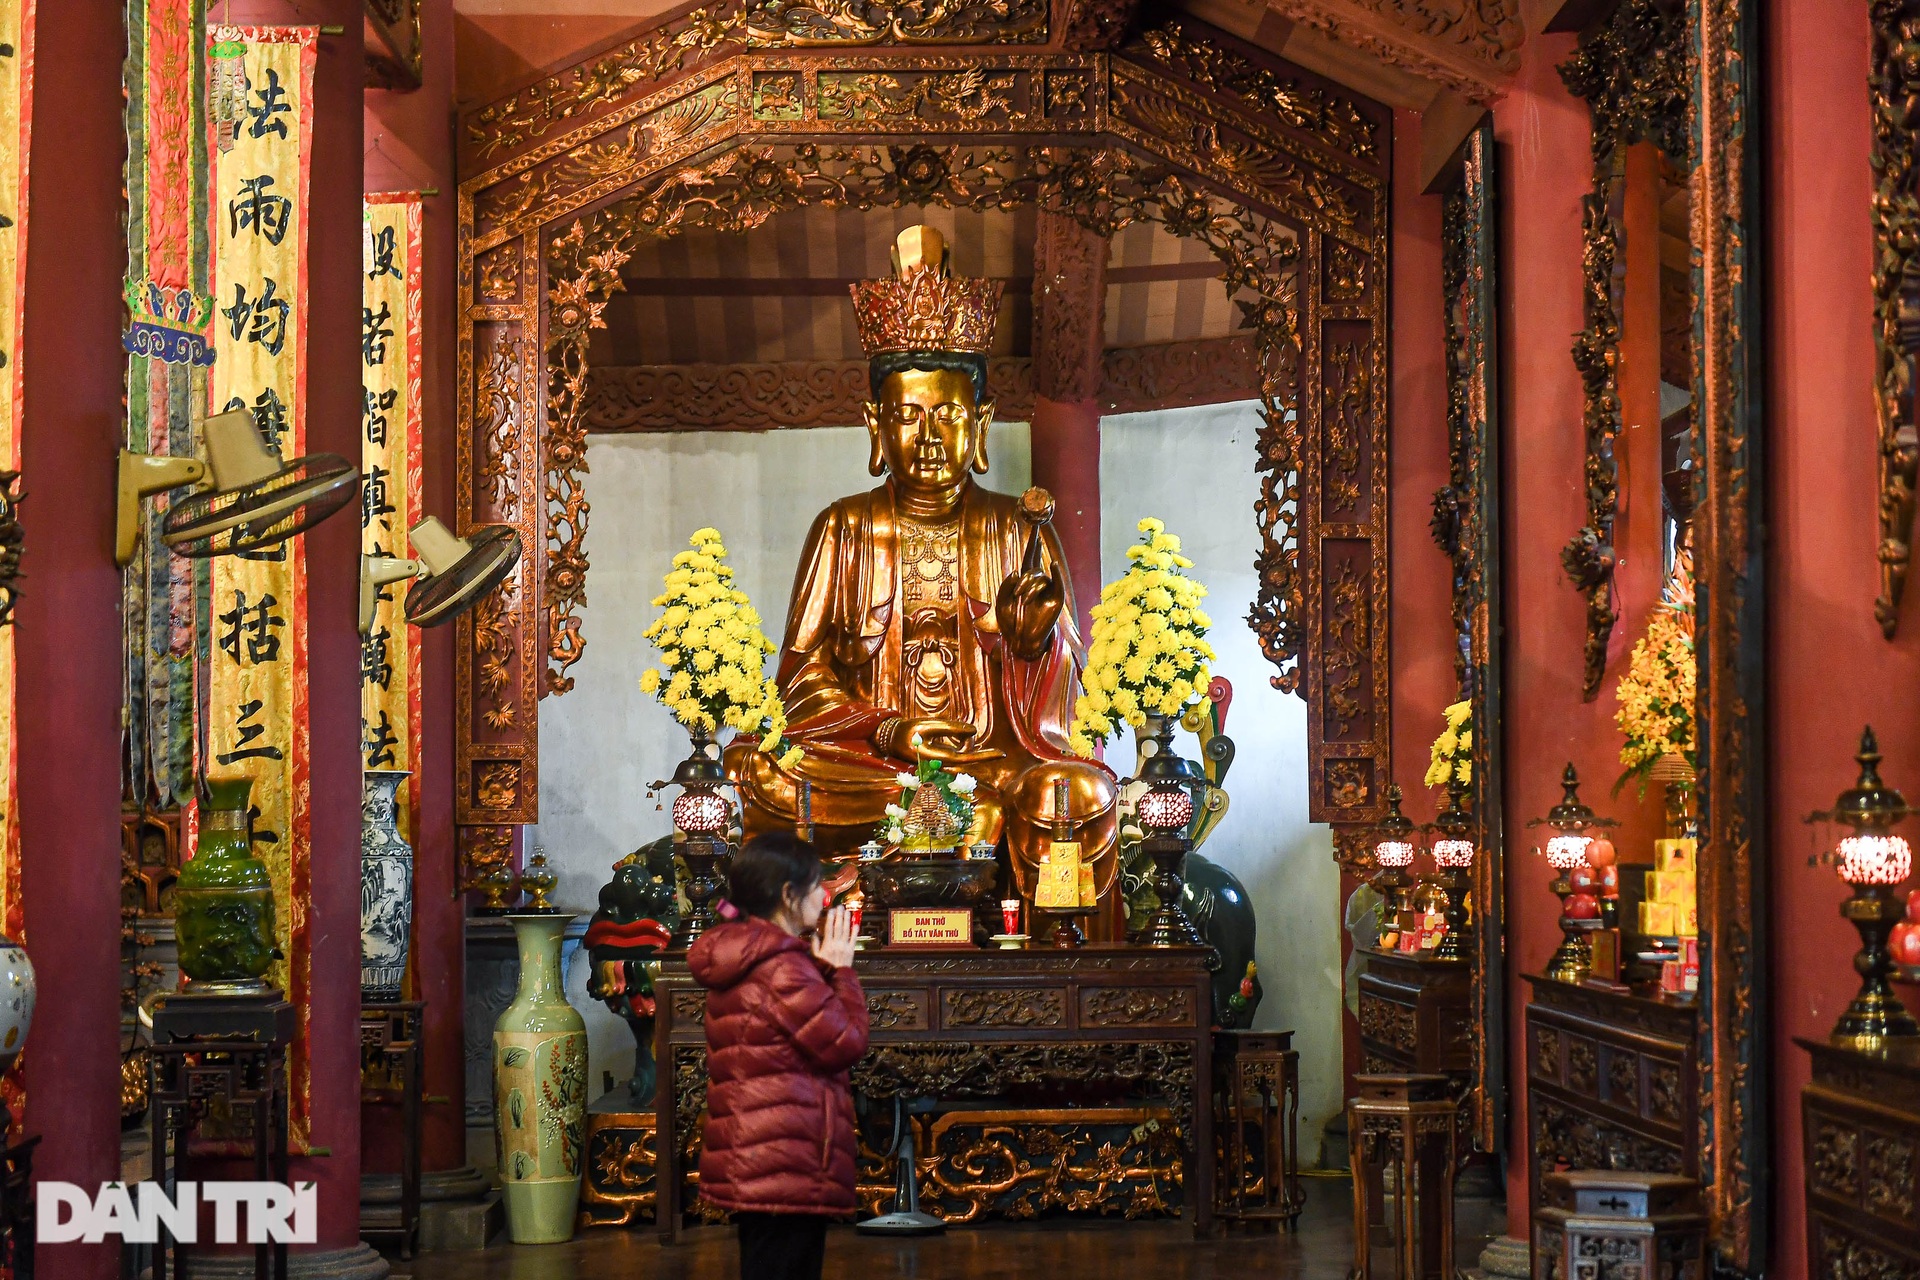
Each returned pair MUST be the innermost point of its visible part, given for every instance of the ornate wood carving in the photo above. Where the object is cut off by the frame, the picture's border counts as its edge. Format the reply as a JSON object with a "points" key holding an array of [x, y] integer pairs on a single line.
{"points": [[484, 850], [823, 23], [1466, 525], [1136, 1007], [1092, 25], [1004, 1007], [393, 44], [799, 393], [591, 160], [1861, 1160], [1893, 84], [1730, 628], [1470, 47], [1632, 71], [1069, 307]]}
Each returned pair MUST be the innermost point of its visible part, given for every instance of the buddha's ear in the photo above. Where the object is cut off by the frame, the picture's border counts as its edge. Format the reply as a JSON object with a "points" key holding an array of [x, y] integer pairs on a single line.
{"points": [[876, 458], [985, 420]]}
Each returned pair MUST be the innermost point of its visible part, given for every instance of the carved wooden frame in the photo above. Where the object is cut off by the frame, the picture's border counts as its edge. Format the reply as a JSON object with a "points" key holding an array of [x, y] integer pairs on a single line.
{"points": [[1730, 622], [686, 128], [1720, 98], [1630, 70], [1466, 525], [1896, 274]]}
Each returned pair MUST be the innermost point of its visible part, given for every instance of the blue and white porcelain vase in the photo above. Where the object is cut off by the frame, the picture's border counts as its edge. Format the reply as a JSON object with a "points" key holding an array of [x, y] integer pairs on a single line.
{"points": [[386, 888], [17, 991]]}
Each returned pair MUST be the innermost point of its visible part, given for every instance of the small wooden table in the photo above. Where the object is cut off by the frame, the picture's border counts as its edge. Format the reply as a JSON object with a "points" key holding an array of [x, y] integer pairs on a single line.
{"points": [[1416, 1015], [1093, 1022]]}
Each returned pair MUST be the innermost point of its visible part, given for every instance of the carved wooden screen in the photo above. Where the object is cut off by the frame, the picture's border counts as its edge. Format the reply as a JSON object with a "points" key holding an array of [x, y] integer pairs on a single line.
{"points": [[707, 120]]}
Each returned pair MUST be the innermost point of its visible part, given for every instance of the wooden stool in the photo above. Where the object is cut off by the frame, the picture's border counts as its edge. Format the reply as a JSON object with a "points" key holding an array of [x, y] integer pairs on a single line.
{"points": [[1603, 1223], [1407, 1121], [1257, 1091], [390, 1072]]}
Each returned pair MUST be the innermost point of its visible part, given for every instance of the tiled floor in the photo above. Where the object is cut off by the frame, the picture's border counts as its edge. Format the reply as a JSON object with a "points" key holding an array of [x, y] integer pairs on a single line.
{"points": [[1321, 1250]]}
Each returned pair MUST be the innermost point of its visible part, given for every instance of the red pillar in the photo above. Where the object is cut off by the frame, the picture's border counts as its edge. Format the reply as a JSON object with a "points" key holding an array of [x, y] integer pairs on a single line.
{"points": [[1066, 462], [415, 152], [333, 562], [67, 625], [1069, 321]]}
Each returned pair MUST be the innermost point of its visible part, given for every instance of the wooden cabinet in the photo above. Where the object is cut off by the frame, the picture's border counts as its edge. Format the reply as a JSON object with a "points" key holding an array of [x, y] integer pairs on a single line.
{"points": [[1860, 1124], [1416, 1016], [1613, 1082]]}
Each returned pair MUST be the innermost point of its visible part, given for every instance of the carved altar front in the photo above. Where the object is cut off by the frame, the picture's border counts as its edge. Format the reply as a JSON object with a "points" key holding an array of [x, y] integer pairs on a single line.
{"points": [[1043, 1040]]}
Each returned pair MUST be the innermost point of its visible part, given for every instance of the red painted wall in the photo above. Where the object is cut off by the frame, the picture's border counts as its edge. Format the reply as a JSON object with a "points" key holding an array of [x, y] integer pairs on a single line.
{"points": [[414, 133], [1830, 671], [1544, 168], [1422, 602], [67, 624]]}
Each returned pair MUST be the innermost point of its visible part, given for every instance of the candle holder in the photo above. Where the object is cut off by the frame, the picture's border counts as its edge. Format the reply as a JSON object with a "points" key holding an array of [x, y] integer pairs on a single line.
{"points": [[1571, 822], [1393, 853], [1453, 855], [701, 814], [1165, 812], [1873, 862]]}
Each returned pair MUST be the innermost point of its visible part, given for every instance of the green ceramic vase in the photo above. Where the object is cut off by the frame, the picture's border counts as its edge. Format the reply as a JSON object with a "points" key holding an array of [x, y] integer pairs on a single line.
{"points": [[223, 901], [540, 1090]]}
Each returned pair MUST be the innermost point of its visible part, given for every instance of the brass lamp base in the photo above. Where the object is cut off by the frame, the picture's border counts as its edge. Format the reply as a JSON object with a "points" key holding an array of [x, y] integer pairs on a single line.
{"points": [[1876, 1014], [1573, 961], [1459, 924], [1170, 926]]}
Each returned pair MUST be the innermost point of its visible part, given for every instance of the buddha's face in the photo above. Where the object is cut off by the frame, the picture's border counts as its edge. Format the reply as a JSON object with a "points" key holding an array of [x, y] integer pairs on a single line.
{"points": [[926, 428]]}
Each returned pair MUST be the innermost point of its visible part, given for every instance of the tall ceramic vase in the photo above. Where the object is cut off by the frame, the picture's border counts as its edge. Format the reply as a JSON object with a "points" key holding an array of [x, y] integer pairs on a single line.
{"points": [[223, 902], [540, 1090], [386, 888]]}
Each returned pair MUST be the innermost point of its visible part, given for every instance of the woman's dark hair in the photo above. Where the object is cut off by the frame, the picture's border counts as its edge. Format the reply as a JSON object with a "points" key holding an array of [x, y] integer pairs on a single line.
{"points": [[882, 367], [765, 866]]}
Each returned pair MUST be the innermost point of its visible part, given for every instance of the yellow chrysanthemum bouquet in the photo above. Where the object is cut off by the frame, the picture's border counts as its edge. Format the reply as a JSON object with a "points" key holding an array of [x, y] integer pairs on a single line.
{"points": [[1656, 693], [1149, 654], [1451, 759], [712, 652]]}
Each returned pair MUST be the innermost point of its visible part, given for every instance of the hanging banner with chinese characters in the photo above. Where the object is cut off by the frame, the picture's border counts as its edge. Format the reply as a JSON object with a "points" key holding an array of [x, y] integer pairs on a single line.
{"points": [[16, 90], [169, 346], [390, 493], [262, 129]]}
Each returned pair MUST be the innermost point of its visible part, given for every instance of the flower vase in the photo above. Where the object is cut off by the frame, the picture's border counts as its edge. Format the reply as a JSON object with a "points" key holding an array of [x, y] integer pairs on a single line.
{"points": [[17, 991], [223, 900], [540, 1090], [386, 888]]}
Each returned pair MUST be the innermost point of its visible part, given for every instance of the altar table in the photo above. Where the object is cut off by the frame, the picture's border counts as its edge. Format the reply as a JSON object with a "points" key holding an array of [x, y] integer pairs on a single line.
{"points": [[958, 1023]]}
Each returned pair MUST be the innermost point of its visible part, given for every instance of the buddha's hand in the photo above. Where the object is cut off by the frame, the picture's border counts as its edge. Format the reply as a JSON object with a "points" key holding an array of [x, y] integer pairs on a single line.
{"points": [[1028, 605], [931, 738]]}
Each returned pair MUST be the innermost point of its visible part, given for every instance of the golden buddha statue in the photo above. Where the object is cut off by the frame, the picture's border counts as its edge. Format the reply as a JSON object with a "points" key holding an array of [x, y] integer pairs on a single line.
{"points": [[931, 618]]}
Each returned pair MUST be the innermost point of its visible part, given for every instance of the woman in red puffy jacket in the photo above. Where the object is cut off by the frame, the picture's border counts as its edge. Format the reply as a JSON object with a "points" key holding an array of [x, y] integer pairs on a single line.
{"points": [[785, 1021]]}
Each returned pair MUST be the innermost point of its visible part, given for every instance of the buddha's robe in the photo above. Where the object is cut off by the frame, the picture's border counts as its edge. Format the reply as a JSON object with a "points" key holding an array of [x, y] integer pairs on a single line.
{"points": [[893, 615]]}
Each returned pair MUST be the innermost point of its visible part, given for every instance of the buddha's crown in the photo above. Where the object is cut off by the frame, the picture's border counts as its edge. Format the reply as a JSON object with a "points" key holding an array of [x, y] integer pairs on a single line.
{"points": [[921, 307]]}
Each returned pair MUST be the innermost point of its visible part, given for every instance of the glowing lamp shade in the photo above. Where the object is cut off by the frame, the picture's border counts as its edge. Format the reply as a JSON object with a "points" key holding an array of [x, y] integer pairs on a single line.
{"points": [[700, 812], [1564, 853], [1394, 853], [1459, 853], [1165, 807], [1874, 859]]}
